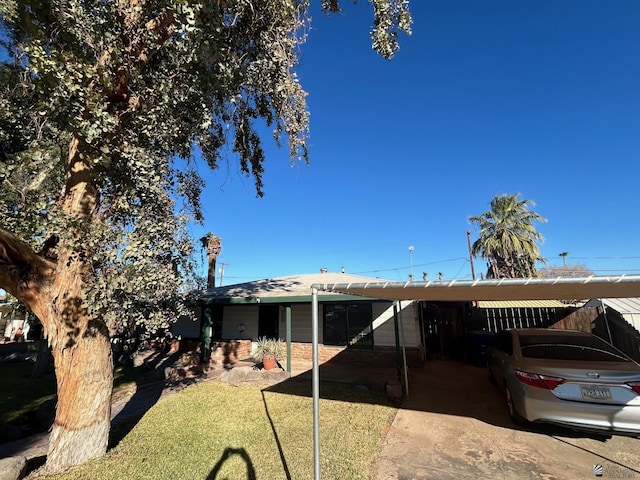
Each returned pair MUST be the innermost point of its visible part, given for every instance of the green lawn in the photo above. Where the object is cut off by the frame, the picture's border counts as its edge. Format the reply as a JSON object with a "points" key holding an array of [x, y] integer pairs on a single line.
{"points": [[21, 393], [214, 430]]}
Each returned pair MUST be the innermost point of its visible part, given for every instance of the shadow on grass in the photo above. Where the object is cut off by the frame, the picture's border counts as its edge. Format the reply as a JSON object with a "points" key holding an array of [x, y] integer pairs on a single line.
{"points": [[275, 435], [229, 452], [358, 391], [146, 396], [119, 431]]}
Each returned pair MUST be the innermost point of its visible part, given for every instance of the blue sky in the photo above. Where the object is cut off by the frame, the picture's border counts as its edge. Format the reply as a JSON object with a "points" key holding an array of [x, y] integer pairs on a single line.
{"points": [[487, 96]]}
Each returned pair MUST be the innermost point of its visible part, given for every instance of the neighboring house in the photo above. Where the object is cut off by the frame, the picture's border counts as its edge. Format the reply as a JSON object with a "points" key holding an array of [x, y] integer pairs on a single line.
{"points": [[12, 320], [627, 308], [617, 320], [231, 318]]}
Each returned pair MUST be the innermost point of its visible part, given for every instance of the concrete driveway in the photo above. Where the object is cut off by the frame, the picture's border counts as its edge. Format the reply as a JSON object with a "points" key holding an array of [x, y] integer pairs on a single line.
{"points": [[455, 425]]}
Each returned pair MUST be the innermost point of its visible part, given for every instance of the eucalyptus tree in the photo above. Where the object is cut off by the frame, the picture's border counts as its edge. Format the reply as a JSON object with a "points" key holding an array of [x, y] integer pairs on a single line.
{"points": [[106, 109], [508, 239]]}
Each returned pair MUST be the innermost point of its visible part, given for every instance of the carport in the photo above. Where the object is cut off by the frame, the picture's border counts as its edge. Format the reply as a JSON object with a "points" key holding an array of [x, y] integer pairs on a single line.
{"points": [[465, 290]]}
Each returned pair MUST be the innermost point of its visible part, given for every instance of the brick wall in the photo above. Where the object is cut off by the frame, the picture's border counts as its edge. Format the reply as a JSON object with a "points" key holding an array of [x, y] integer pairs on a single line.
{"points": [[226, 352], [222, 352], [303, 351]]}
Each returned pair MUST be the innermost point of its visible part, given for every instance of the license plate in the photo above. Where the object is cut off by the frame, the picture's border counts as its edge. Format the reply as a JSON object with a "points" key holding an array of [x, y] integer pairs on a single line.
{"points": [[595, 392]]}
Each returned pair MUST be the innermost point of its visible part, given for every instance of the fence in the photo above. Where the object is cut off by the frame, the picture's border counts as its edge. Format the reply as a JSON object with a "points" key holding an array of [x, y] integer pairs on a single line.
{"points": [[611, 326]]}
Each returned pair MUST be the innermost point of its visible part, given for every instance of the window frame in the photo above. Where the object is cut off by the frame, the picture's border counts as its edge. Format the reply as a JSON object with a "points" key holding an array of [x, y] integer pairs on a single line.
{"points": [[365, 342]]}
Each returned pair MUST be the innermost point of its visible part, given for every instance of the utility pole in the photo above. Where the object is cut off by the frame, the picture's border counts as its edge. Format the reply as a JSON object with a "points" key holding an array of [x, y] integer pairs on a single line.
{"points": [[473, 272], [222, 264], [411, 262]]}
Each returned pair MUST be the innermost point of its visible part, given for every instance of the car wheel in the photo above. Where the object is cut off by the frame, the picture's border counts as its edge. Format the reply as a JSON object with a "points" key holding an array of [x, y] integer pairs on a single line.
{"points": [[513, 413]]}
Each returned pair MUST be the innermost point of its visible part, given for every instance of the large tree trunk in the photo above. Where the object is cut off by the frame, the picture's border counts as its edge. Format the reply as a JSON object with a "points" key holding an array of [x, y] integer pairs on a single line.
{"points": [[80, 344], [51, 286], [80, 347], [85, 378]]}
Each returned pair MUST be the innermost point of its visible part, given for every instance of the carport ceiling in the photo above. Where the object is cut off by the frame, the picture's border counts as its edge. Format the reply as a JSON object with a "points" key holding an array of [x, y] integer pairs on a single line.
{"points": [[501, 289]]}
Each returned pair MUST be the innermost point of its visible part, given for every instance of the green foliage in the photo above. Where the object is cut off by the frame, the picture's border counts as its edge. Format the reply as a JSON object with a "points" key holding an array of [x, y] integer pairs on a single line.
{"points": [[269, 347], [508, 238], [133, 94], [390, 18]]}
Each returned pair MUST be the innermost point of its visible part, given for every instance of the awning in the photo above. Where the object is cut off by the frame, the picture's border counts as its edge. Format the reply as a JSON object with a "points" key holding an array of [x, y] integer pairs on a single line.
{"points": [[495, 289]]}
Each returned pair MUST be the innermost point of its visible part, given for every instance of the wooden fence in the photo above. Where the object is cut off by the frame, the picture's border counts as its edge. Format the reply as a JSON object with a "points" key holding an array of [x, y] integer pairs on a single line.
{"points": [[446, 325], [610, 326]]}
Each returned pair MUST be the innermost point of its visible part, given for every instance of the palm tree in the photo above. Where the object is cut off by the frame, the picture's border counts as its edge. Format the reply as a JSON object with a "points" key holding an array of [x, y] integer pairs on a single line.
{"points": [[564, 258], [508, 239]]}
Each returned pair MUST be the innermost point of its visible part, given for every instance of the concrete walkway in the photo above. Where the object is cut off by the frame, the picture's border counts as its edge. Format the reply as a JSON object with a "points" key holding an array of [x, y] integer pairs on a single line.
{"points": [[455, 425]]}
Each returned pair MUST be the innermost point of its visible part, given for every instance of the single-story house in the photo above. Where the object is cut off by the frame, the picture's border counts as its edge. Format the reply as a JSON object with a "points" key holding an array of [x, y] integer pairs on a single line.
{"points": [[229, 319], [353, 328]]}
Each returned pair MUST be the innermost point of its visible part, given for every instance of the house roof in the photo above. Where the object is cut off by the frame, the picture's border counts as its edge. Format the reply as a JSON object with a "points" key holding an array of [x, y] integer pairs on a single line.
{"points": [[621, 305], [629, 308], [494, 289], [294, 288], [344, 286]]}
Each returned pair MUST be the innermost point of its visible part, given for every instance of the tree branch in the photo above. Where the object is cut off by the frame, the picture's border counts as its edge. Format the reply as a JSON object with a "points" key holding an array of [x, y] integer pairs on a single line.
{"points": [[23, 272]]}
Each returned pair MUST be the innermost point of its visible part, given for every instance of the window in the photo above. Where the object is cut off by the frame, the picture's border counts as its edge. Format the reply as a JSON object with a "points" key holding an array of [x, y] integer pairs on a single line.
{"points": [[212, 317], [268, 321], [348, 324], [588, 348]]}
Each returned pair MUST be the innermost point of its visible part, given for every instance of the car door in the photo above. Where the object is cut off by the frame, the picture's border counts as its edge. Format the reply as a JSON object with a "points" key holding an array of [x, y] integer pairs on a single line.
{"points": [[499, 355]]}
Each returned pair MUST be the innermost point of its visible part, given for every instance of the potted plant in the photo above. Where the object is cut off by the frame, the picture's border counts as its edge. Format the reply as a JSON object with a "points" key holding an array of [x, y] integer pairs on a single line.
{"points": [[269, 351]]}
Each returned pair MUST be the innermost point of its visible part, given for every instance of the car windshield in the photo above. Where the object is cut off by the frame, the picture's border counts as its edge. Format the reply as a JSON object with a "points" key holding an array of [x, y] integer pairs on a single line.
{"points": [[569, 347]]}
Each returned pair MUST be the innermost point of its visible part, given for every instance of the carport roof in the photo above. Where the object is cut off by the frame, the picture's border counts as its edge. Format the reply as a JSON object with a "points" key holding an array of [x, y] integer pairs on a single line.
{"points": [[494, 289]]}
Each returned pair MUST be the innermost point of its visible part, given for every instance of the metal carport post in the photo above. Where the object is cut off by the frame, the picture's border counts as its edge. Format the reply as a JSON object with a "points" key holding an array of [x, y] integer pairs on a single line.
{"points": [[462, 290], [315, 377], [397, 306], [315, 381]]}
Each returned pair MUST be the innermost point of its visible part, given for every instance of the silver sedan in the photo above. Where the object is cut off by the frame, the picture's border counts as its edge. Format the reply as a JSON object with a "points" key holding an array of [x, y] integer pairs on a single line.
{"points": [[566, 377]]}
